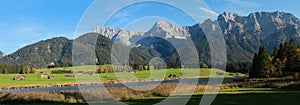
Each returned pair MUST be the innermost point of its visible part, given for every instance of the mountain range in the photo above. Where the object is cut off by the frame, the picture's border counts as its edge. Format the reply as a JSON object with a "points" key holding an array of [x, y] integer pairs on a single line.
{"points": [[243, 35]]}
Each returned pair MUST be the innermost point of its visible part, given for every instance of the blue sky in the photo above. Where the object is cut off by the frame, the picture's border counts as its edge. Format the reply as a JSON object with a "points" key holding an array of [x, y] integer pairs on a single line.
{"points": [[24, 22]]}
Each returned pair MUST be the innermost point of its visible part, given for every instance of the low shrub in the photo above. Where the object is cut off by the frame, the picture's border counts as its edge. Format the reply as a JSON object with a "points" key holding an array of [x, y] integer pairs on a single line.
{"points": [[125, 93], [61, 71]]}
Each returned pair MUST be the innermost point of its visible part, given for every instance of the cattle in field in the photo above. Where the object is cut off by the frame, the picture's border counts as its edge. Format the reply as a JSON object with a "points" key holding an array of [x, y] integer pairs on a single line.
{"points": [[44, 76], [47, 76], [19, 78], [172, 76], [50, 77], [69, 76], [220, 73], [132, 71]]}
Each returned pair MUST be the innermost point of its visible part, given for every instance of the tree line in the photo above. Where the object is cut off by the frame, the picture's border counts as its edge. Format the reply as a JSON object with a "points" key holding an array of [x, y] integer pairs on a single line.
{"points": [[284, 61], [16, 69]]}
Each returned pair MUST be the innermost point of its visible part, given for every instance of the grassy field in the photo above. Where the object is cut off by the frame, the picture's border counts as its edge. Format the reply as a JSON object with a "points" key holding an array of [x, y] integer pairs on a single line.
{"points": [[235, 99], [187, 73], [34, 79], [287, 94], [240, 96]]}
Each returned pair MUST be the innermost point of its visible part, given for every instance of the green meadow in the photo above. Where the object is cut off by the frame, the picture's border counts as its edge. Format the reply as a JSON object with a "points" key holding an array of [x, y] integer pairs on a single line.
{"points": [[34, 79], [248, 96]]}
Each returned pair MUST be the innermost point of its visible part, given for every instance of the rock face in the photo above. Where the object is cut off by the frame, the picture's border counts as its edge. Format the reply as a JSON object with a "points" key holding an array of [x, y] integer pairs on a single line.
{"points": [[2, 55], [265, 22], [241, 33], [166, 30], [117, 34], [245, 33]]}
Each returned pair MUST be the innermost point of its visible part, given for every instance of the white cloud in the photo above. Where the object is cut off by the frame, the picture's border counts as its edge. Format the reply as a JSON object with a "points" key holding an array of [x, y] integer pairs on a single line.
{"points": [[208, 11], [243, 3], [122, 15]]}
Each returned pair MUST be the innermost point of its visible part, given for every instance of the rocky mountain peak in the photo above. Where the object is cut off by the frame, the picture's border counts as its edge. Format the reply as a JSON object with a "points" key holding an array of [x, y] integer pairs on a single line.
{"points": [[165, 29], [257, 23], [117, 34], [226, 16], [2, 54], [107, 31], [162, 23]]}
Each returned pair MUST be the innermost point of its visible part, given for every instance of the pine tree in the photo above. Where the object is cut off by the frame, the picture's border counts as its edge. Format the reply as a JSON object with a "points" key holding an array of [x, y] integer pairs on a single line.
{"points": [[262, 64], [253, 71], [280, 53], [293, 57], [275, 52]]}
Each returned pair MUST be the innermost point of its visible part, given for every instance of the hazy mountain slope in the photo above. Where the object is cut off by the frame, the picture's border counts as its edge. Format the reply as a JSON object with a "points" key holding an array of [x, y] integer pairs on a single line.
{"points": [[58, 52], [40, 54]]}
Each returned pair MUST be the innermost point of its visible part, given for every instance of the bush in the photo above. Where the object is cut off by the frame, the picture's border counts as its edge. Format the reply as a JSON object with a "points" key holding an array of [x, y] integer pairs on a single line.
{"points": [[61, 71], [110, 69], [203, 65]]}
